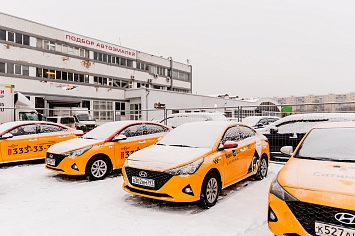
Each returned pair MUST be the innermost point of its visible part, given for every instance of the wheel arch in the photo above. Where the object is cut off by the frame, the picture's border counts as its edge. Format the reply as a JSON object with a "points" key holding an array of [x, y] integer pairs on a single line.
{"points": [[216, 171], [103, 156]]}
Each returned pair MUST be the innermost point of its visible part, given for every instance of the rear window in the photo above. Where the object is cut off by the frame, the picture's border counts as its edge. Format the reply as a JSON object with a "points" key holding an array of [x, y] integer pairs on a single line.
{"points": [[335, 144], [52, 119]]}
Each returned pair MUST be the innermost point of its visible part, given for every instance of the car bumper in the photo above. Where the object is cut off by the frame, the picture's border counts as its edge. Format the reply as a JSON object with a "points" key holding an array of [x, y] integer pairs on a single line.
{"points": [[286, 223], [66, 166], [174, 190]]}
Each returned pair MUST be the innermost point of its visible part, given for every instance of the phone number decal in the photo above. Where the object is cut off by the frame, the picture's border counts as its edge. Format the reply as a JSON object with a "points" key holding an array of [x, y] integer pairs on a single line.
{"points": [[27, 149]]}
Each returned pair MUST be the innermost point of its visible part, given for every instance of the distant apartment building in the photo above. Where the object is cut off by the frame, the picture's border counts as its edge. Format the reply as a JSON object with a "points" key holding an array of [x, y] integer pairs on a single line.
{"points": [[320, 103]]}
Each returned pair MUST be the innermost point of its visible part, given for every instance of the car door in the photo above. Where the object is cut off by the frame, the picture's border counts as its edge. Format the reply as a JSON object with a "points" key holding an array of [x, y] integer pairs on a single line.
{"points": [[248, 143], [23, 144], [134, 142], [232, 158], [50, 134]]}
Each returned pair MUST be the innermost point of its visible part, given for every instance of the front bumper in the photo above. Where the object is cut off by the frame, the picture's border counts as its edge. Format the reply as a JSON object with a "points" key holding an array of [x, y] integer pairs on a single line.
{"points": [[174, 190], [65, 166]]}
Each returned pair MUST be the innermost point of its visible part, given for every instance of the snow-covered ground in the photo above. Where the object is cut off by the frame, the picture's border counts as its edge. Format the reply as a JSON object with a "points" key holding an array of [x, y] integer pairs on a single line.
{"points": [[34, 201]]}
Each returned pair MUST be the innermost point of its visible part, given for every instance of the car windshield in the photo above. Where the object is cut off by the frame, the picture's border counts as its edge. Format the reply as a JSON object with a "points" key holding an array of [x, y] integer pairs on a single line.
{"points": [[85, 117], [28, 116], [333, 144], [196, 136], [104, 131], [251, 120]]}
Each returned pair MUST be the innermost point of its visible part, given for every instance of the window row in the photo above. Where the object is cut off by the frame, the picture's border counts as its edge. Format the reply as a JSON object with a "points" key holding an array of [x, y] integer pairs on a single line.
{"points": [[14, 37], [61, 75], [98, 56], [53, 46], [11, 68], [112, 82], [180, 75], [152, 69]]}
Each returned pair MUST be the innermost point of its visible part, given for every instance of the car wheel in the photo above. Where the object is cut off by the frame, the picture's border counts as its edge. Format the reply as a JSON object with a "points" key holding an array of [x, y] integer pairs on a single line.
{"points": [[262, 170], [98, 168], [210, 190]]}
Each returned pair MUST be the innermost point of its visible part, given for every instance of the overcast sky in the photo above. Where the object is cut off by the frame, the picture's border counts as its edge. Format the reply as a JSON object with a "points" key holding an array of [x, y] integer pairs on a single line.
{"points": [[249, 48]]}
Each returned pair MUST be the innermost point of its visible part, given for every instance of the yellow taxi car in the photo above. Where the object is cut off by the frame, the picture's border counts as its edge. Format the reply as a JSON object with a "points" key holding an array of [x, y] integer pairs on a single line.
{"points": [[314, 193], [103, 149], [29, 140], [195, 161]]}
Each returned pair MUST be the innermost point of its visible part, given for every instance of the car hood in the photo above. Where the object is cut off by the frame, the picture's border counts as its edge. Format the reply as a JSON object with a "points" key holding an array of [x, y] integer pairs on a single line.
{"points": [[319, 176], [73, 144], [160, 158]]}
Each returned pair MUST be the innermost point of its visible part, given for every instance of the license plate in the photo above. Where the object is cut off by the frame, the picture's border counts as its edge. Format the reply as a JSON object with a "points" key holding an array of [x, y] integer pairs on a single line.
{"points": [[143, 182], [332, 230], [50, 161]]}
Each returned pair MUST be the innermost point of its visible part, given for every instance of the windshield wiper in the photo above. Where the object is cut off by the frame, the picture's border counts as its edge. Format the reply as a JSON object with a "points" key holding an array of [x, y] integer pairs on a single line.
{"points": [[324, 159], [89, 138], [181, 145], [161, 144]]}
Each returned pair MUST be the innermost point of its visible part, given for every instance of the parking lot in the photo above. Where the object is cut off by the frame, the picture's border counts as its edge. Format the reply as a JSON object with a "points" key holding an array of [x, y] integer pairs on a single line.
{"points": [[35, 201]]}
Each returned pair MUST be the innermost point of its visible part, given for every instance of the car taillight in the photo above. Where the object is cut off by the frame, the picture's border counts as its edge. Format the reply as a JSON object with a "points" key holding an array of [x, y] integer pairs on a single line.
{"points": [[266, 140]]}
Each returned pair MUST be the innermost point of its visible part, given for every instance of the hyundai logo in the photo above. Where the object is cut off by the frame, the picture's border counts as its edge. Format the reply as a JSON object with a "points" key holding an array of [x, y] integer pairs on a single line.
{"points": [[345, 218], [51, 155], [143, 174]]}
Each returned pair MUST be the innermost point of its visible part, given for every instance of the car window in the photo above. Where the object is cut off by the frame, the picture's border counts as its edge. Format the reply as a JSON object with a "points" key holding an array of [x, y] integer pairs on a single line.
{"points": [[48, 128], [24, 130], [133, 130], [153, 129], [263, 121], [67, 120], [52, 119], [231, 134], [246, 132]]}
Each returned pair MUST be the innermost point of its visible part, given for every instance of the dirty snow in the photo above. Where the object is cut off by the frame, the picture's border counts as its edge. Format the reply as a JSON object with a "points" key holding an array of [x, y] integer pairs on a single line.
{"points": [[34, 201]]}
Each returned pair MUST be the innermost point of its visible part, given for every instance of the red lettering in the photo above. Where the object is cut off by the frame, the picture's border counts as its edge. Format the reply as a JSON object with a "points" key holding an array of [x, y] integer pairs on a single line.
{"points": [[78, 40], [72, 38], [98, 45], [106, 46], [115, 49], [2, 91], [92, 43], [67, 36], [110, 48], [102, 46], [133, 54], [9, 152], [122, 155]]}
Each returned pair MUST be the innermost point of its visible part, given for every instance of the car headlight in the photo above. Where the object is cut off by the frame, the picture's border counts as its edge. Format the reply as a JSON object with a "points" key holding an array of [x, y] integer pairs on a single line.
{"points": [[280, 192], [77, 152], [186, 169]]}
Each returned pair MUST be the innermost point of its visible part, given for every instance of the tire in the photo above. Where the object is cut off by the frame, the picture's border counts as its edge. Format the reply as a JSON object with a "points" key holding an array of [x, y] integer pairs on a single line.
{"points": [[210, 190], [262, 169], [98, 168]]}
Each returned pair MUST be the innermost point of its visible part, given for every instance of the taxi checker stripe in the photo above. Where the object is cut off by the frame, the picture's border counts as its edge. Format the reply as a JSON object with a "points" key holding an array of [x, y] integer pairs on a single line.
{"points": [[345, 218]]}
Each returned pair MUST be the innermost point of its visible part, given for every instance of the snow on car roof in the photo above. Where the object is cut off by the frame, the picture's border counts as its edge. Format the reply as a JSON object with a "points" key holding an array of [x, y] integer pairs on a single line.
{"points": [[316, 116], [9, 125], [349, 124]]}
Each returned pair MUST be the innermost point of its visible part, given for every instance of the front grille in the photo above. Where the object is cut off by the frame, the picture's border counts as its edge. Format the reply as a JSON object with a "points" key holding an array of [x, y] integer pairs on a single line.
{"points": [[160, 178], [148, 193], [307, 214], [58, 158]]}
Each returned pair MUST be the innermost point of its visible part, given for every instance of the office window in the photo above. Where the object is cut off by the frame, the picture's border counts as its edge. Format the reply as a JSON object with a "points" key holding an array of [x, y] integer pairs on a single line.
{"points": [[2, 67], [70, 76], [130, 63], [18, 70], [2, 34], [123, 62], [58, 74], [10, 68], [25, 70], [117, 60], [18, 38], [104, 57], [96, 56], [45, 73], [39, 72], [39, 43], [58, 48], [51, 74], [100, 56], [76, 77], [65, 49], [26, 40], [153, 69], [10, 36], [108, 58], [64, 75], [86, 79], [81, 78], [82, 52]]}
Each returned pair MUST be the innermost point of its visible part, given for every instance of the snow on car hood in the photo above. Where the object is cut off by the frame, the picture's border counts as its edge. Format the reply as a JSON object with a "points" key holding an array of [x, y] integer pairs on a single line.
{"points": [[72, 144], [161, 158], [320, 176]]}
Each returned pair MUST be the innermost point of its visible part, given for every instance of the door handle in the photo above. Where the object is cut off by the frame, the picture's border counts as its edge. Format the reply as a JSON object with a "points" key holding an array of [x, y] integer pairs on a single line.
{"points": [[142, 142], [32, 140]]}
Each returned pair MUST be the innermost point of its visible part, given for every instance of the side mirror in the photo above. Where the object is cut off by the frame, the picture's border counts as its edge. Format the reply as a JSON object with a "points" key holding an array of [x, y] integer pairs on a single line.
{"points": [[274, 130], [227, 145], [287, 150], [259, 125], [6, 136], [119, 138]]}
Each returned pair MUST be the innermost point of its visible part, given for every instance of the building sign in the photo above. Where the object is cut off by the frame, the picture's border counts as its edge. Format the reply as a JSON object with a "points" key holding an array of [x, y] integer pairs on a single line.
{"points": [[60, 86], [159, 105], [99, 45]]}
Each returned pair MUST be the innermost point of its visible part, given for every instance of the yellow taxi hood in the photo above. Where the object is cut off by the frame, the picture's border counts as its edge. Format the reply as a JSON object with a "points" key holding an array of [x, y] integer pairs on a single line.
{"points": [[320, 176], [73, 144], [161, 158]]}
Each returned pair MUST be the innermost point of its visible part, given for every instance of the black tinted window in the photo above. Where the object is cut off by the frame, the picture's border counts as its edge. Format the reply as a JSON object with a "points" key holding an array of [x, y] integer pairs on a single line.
{"points": [[48, 128], [153, 129], [2, 34], [24, 130], [133, 131]]}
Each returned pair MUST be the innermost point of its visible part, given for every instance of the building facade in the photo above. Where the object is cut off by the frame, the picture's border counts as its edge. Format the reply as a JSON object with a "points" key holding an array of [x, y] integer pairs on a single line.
{"points": [[56, 68]]}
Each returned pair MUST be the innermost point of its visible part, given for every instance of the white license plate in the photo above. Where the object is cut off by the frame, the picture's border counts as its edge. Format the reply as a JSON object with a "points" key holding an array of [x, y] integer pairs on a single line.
{"points": [[332, 230], [50, 161], [143, 182]]}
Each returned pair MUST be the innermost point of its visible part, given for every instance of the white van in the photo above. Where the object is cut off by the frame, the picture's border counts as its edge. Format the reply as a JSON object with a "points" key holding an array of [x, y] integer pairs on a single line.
{"points": [[64, 120], [177, 119]]}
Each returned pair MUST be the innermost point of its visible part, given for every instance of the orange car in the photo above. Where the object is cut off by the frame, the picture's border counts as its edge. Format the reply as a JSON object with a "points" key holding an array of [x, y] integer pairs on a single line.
{"points": [[314, 193], [29, 140], [104, 148], [195, 161]]}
